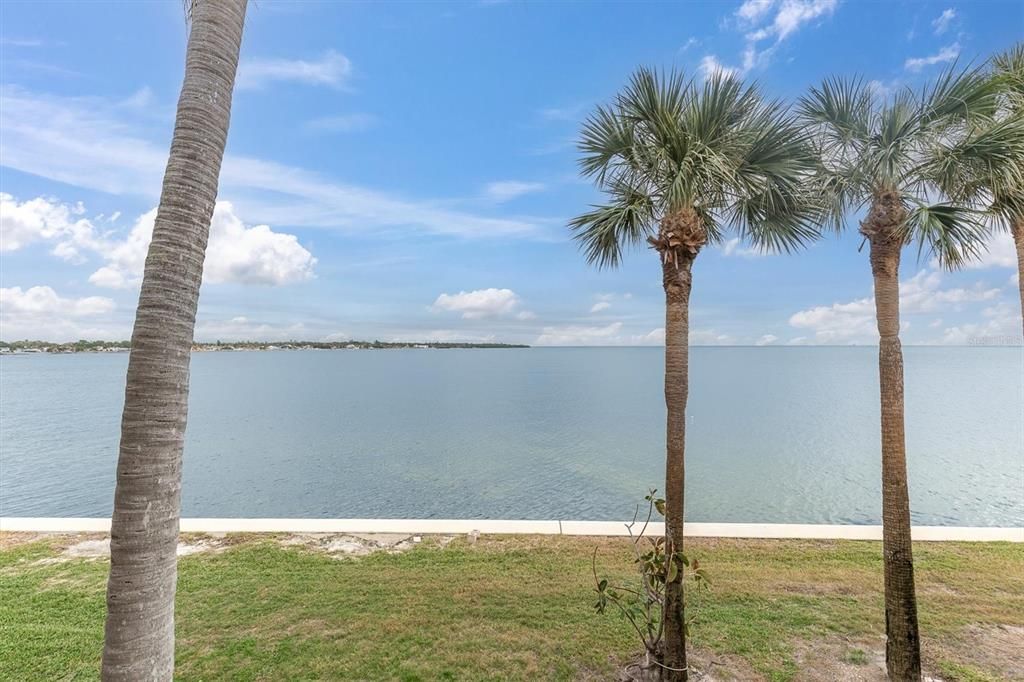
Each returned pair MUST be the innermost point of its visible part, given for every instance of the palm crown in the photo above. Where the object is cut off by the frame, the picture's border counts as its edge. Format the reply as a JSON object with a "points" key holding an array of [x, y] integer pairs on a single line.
{"points": [[984, 166], [718, 149], [903, 147]]}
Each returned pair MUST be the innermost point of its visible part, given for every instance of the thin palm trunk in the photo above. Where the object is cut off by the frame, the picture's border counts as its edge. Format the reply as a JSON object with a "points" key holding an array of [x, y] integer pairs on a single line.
{"points": [[903, 648], [139, 641], [677, 278], [1017, 230]]}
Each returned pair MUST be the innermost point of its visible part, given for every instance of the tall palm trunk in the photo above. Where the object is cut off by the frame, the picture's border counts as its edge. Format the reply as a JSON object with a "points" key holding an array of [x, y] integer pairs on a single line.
{"points": [[903, 648], [680, 238], [1017, 230], [139, 640]]}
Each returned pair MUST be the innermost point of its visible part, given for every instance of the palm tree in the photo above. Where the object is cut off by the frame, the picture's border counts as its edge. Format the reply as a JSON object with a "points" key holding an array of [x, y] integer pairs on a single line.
{"points": [[984, 164], [139, 641], [679, 163], [880, 154]]}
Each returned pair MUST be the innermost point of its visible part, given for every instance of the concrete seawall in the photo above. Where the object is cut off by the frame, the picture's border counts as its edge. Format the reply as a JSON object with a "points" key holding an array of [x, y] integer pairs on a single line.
{"points": [[460, 526]]}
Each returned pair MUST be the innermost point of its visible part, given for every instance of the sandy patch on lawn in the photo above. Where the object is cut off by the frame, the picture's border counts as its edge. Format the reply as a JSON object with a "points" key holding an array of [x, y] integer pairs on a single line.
{"points": [[343, 545]]}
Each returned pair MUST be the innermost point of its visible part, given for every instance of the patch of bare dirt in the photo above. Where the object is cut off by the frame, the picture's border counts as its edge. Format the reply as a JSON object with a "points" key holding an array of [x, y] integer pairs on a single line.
{"points": [[998, 648], [9, 540], [830, 659], [342, 545], [704, 666]]}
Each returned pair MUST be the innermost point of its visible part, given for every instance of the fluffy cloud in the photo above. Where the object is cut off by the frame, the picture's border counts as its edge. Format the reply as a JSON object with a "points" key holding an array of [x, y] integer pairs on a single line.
{"points": [[732, 248], [922, 294], [333, 69], [710, 66], [946, 54], [941, 23], [39, 312], [599, 306], [837, 322], [235, 253], [507, 190], [655, 337], [793, 14], [45, 301], [753, 11], [766, 340], [1001, 326], [475, 305], [763, 20], [1000, 252], [37, 220], [855, 321]]}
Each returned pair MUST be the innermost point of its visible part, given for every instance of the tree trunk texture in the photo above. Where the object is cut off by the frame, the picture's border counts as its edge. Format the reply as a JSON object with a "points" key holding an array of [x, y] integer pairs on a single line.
{"points": [[139, 634], [1017, 230], [903, 648], [679, 240]]}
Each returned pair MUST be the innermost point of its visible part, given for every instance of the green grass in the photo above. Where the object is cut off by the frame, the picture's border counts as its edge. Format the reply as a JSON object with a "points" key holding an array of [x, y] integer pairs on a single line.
{"points": [[504, 608]]}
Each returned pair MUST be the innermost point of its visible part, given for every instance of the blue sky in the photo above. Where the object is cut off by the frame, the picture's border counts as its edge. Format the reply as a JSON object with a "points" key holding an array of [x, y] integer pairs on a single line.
{"points": [[405, 171]]}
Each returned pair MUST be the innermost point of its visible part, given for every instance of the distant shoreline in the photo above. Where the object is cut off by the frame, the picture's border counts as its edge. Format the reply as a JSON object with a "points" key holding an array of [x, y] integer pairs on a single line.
{"points": [[34, 347]]}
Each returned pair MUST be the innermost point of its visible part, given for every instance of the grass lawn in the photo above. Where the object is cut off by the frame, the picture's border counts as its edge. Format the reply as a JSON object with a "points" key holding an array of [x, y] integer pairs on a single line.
{"points": [[513, 608]]}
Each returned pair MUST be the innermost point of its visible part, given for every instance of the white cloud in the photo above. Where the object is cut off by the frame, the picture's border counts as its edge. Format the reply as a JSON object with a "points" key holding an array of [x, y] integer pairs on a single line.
{"points": [[38, 219], [767, 19], [922, 294], [732, 248], [941, 23], [235, 253], [655, 337], [710, 66], [475, 305], [766, 340], [43, 300], [576, 335], [507, 190], [599, 306], [754, 10], [709, 337], [946, 54], [793, 14], [884, 89], [342, 123], [854, 321], [838, 322], [332, 69], [40, 313], [1000, 252], [87, 142], [1002, 326], [691, 42]]}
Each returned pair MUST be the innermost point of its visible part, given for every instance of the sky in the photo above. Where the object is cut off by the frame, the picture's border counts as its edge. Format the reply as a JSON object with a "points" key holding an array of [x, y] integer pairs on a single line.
{"points": [[406, 171]]}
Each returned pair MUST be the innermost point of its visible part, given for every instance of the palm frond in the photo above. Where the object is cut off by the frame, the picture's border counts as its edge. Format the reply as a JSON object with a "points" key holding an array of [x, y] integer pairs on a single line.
{"points": [[954, 234], [626, 221], [721, 149], [841, 107], [1009, 74], [959, 95]]}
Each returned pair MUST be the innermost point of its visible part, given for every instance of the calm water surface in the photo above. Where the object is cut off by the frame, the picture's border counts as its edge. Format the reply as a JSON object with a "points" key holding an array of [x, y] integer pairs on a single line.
{"points": [[774, 434]]}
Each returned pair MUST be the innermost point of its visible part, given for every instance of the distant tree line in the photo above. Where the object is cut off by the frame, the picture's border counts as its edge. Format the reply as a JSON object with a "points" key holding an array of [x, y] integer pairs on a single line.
{"points": [[83, 346]]}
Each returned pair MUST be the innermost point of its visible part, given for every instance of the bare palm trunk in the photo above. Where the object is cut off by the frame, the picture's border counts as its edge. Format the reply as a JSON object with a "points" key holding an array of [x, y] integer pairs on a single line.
{"points": [[680, 238], [1017, 229], [139, 642], [903, 647]]}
